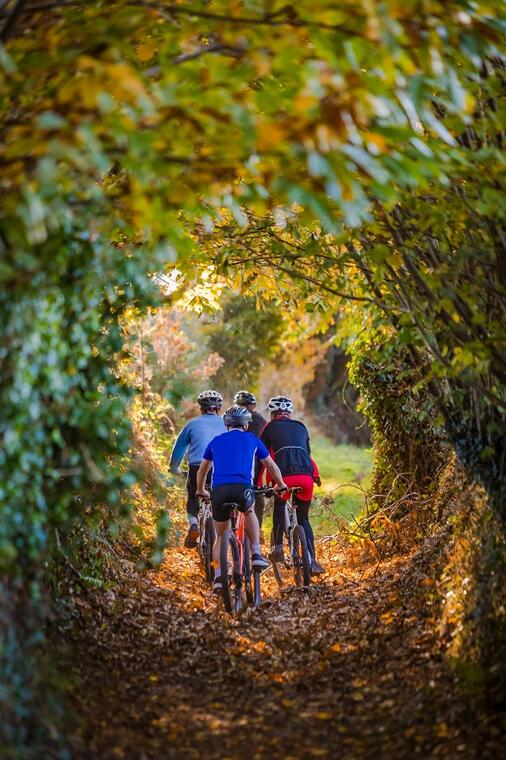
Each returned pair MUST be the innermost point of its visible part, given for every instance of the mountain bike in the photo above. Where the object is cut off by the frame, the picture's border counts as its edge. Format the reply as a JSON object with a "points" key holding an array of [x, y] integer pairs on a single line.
{"points": [[299, 558], [237, 573], [206, 538]]}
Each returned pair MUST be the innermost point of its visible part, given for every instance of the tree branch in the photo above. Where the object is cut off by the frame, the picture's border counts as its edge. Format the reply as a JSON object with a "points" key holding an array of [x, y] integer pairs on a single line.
{"points": [[270, 19], [12, 19]]}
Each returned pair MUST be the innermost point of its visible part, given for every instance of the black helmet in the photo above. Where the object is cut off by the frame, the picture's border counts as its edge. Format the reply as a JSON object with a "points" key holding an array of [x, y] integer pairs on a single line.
{"points": [[244, 397], [210, 399], [237, 416]]}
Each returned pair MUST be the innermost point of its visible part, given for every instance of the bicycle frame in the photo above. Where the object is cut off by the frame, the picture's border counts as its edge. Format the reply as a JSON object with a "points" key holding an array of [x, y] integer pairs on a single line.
{"points": [[291, 522], [238, 526], [205, 510], [236, 541], [298, 557]]}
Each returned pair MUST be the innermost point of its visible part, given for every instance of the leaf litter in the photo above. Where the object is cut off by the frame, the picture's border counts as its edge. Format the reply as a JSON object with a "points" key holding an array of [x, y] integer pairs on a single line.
{"points": [[352, 668]]}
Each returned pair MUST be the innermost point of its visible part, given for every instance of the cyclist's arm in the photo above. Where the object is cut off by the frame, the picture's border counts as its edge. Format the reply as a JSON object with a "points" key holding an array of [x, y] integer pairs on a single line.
{"points": [[271, 466], [204, 468], [179, 450]]}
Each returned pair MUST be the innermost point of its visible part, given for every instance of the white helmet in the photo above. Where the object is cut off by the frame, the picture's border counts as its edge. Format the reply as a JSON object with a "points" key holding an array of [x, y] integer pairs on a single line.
{"points": [[280, 404], [210, 399]]}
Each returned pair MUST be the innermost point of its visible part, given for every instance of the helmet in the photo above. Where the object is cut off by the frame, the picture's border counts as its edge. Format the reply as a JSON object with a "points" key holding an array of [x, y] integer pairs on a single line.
{"points": [[210, 399], [244, 397], [280, 404], [237, 416]]}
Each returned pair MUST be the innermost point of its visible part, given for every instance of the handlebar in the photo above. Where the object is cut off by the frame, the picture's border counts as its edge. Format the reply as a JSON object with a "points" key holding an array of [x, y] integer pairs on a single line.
{"points": [[266, 491], [270, 490]]}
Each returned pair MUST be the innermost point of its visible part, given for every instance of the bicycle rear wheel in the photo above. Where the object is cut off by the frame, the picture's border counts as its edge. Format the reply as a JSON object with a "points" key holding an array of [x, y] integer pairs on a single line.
{"points": [[301, 557], [247, 572], [207, 549], [231, 575]]}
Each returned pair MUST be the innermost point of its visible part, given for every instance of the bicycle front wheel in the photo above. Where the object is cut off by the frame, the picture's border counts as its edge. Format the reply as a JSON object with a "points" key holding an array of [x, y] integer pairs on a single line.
{"points": [[207, 549], [247, 571], [251, 577], [231, 575], [257, 590], [301, 557]]}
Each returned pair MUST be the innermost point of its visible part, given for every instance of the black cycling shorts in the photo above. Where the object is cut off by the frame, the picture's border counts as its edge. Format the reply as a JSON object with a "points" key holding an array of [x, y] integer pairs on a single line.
{"points": [[231, 493]]}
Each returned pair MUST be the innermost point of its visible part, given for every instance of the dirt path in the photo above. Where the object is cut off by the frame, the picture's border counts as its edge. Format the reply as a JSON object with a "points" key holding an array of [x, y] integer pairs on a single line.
{"points": [[348, 669]]}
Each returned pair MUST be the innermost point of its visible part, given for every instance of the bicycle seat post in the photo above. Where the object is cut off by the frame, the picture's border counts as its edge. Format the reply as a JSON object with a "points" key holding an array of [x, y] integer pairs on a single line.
{"points": [[232, 506]]}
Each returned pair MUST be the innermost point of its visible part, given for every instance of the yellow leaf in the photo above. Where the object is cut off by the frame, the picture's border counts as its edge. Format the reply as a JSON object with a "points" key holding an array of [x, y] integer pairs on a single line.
{"points": [[146, 50], [303, 102], [347, 189], [125, 79], [378, 141], [269, 135]]}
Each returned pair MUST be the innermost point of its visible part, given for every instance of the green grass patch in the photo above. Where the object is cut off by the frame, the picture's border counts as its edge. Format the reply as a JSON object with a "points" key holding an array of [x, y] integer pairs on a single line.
{"points": [[342, 469]]}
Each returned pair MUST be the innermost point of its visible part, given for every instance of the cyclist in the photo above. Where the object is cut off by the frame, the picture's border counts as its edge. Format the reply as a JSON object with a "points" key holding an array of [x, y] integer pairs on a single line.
{"points": [[232, 456], [192, 441], [257, 424], [288, 444]]}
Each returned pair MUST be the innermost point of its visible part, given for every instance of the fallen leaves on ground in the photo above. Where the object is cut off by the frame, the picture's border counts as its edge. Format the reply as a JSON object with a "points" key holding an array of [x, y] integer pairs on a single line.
{"points": [[349, 668]]}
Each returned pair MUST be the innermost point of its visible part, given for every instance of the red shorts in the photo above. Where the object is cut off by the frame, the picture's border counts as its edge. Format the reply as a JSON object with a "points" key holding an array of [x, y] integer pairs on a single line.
{"points": [[305, 482]]}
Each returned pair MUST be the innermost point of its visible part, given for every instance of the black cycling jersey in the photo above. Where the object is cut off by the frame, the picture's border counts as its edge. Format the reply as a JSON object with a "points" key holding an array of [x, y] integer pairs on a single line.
{"points": [[288, 444], [257, 424]]}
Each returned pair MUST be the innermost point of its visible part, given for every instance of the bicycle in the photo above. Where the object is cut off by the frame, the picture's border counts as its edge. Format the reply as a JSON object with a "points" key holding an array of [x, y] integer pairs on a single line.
{"points": [[298, 558], [206, 539], [235, 562]]}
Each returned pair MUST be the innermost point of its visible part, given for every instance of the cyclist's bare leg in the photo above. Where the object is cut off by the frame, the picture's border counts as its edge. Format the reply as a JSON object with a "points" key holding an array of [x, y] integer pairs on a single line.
{"points": [[252, 527], [220, 528], [253, 532]]}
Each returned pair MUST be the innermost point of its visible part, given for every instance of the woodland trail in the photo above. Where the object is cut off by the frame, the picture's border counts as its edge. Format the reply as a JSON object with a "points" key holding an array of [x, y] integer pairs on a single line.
{"points": [[348, 669]]}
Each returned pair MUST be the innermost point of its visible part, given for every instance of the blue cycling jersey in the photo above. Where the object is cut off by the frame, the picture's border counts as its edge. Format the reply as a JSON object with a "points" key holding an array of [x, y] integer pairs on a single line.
{"points": [[194, 438], [234, 455]]}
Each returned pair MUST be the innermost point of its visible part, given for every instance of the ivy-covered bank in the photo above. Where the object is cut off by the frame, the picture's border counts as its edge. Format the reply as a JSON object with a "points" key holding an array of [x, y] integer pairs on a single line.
{"points": [[64, 428]]}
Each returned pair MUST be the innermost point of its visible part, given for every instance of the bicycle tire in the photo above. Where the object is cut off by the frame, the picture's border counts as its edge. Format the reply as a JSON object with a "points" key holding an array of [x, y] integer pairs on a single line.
{"points": [[301, 557], [257, 588], [231, 576], [247, 571], [200, 543], [208, 543]]}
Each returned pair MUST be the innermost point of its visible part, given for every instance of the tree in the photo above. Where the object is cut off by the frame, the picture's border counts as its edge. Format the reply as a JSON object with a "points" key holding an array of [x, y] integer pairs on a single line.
{"points": [[246, 337]]}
